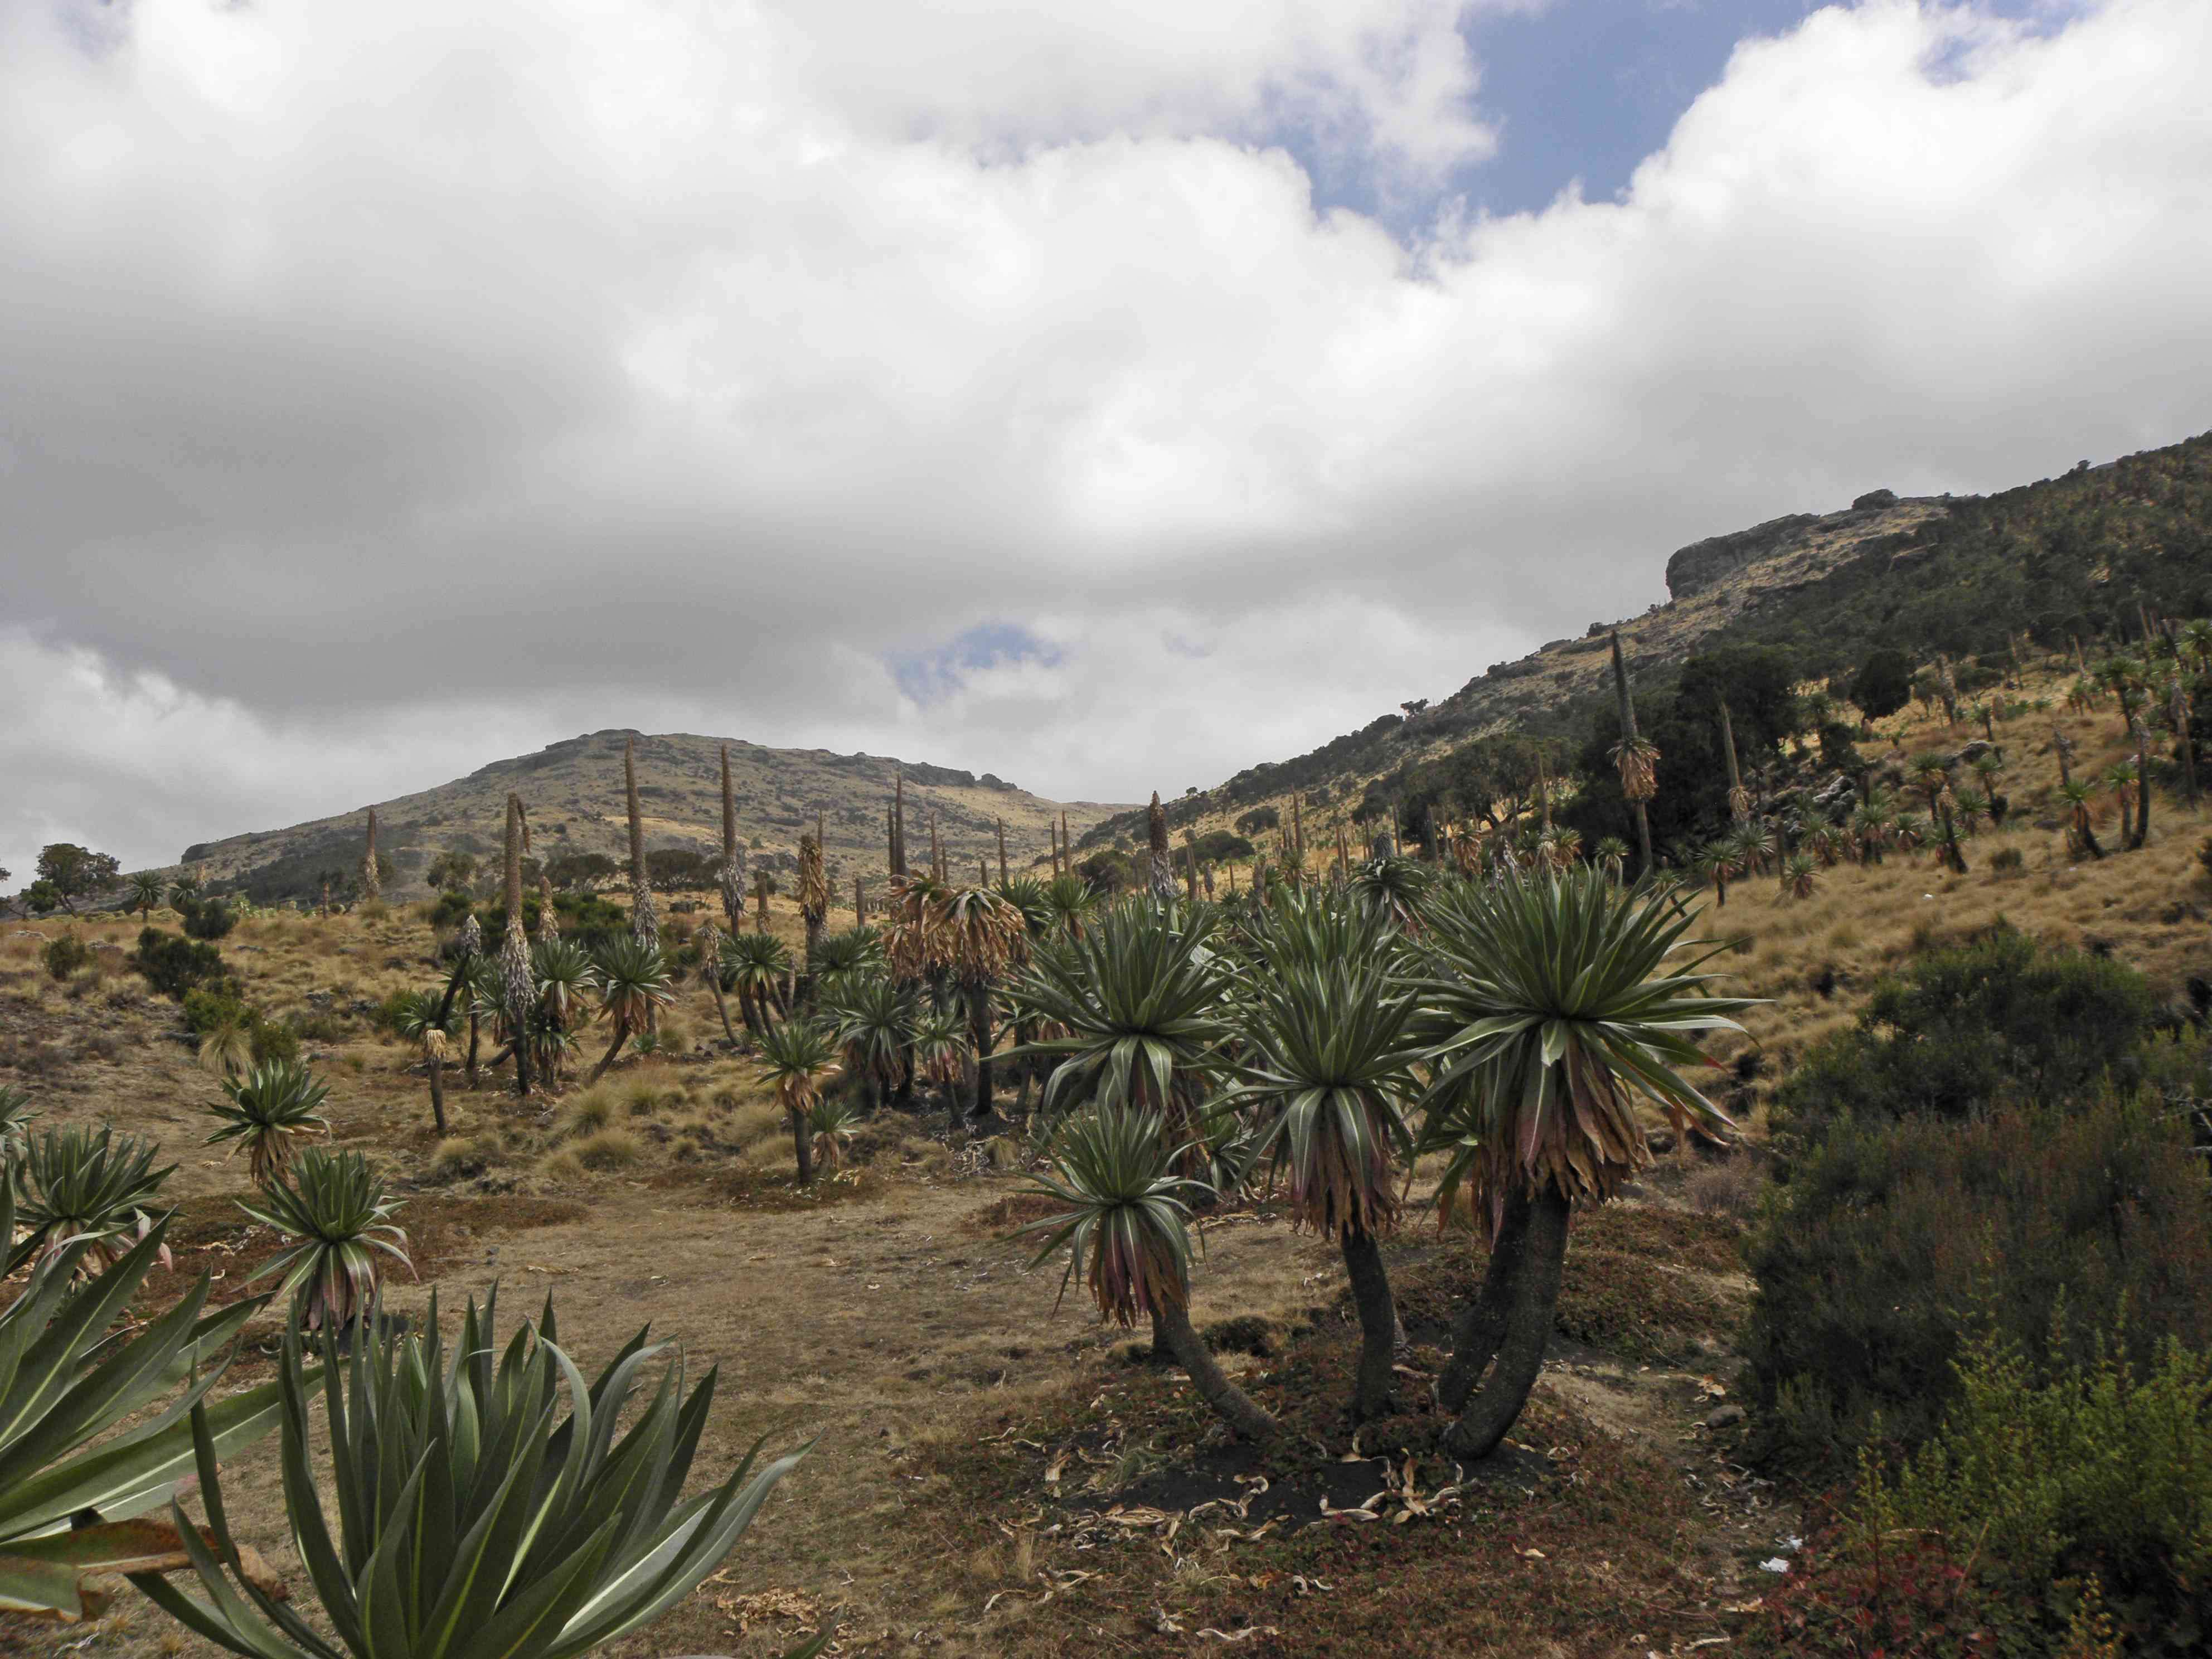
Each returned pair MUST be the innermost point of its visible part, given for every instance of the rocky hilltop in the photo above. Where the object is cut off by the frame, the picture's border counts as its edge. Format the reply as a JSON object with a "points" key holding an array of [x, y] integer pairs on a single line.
{"points": [[573, 792], [2071, 556], [1713, 583]]}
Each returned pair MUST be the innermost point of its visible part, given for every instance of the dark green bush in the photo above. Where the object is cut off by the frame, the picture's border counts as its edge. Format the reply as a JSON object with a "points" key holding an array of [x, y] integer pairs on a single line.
{"points": [[210, 1007], [1839, 745], [173, 966], [582, 914], [2001, 1019], [208, 918], [1259, 818], [1217, 845], [65, 955], [1883, 684], [388, 1013], [216, 1006], [1892, 1238], [451, 910]]}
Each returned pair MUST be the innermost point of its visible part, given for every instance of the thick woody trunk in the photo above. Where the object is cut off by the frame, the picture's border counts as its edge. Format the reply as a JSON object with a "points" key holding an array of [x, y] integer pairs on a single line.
{"points": [[438, 1093], [1482, 1323], [802, 1147], [980, 1032], [1378, 1321], [1171, 1326], [1531, 1304], [1003, 877], [622, 1035]]}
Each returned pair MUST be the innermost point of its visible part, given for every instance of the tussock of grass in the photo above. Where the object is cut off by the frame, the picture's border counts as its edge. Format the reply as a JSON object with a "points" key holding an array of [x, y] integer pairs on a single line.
{"points": [[587, 1111], [610, 1149]]}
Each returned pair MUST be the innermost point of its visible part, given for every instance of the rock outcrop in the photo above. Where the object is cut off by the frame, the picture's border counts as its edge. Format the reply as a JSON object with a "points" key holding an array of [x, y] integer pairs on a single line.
{"points": [[1705, 564]]}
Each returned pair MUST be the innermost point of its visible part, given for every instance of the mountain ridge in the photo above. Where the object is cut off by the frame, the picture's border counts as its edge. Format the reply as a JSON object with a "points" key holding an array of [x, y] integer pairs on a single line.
{"points": [[572, 789]]}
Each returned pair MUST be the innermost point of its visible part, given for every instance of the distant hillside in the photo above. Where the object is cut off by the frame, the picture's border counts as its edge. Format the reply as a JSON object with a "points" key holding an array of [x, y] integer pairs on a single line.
{"points": [[2071, 556], [573, 792]]}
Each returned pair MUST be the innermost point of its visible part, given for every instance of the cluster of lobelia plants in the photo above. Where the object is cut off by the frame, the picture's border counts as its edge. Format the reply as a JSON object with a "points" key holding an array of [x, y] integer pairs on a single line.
{"points": [[1324, 1036]]}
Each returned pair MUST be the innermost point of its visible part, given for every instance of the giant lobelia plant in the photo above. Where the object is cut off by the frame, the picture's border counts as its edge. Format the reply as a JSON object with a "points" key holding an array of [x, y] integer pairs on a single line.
{"points": [[1557, 1008]]}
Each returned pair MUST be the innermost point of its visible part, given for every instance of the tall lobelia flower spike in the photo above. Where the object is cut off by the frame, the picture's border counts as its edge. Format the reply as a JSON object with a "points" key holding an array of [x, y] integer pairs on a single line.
{"points": [[644, 924], [372, 884], [515, 985], [1162, 873], [733, 875]]}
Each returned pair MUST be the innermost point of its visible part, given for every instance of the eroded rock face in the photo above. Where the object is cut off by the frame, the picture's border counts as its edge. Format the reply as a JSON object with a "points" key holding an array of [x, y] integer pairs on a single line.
{"points": [[1874, 500], [1702, 564]]}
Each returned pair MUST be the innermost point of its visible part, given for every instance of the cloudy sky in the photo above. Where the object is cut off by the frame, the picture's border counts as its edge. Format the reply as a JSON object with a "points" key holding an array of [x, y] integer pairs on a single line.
{"points": [[1109, 397]]}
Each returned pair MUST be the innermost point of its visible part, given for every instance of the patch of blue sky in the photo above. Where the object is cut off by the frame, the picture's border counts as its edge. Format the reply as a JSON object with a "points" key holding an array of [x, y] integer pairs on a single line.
{"points": [[1579, 93], [929, 674]]}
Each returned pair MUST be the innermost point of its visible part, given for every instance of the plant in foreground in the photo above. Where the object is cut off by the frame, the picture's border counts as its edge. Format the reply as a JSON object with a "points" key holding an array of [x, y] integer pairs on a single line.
{"points": [[475, 1516], [64, 1383], [272, 1108], [334, 1211], [1126, 1227]]}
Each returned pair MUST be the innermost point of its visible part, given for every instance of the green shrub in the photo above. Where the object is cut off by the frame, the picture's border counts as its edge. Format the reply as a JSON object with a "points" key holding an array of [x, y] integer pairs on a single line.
{"points": [[388, 1014], [65, 955], [1883, 684], [210, 919], [1890, 1238], [2093, 1469], [212, 1008], [451, 910], [2002, 1018], [173, 966], [274, 1041]]}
